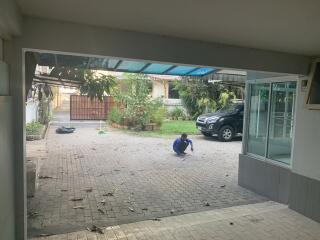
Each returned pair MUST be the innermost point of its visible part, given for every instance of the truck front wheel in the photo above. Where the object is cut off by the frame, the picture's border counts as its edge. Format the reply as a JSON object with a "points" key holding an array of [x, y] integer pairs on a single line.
{"points": [[226, 134]]}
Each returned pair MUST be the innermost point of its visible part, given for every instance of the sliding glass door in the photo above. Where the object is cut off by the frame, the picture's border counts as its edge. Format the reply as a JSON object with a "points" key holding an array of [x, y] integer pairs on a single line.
{"points": [[258, 118], [281, 121], [270, 115]]}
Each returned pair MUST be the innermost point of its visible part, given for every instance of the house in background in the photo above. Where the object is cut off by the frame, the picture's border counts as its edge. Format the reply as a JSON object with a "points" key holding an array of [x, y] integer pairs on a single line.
{"points": [[163, 87]]}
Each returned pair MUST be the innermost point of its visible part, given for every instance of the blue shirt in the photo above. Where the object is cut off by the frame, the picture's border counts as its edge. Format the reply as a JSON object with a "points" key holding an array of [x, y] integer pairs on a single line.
{"points": [[178, 142]]}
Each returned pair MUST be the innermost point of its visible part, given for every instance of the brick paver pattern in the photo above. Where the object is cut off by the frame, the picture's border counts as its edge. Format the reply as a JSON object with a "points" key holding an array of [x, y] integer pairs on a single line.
{"points": [[263, 221], [123, 178]]}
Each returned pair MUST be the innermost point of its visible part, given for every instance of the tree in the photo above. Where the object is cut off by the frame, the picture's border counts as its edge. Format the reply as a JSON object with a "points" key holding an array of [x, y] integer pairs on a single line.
{"points": [[200, 96], [42, 92], [97, 85], [138, 105]]}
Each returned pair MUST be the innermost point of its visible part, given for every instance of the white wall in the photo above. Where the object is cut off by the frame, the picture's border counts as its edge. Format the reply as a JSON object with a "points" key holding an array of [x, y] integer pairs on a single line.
{"points": [[1, 49], [158, 89], [173, 103], [7, 211], [13, 57], [9, 19], [7, 208], [84, 39], [31, 111], [306, 145], [4, 79]]}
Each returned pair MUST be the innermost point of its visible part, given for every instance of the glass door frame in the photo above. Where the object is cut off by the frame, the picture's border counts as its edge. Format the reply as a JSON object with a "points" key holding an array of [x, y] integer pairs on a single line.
{"points": [[249, 83]]}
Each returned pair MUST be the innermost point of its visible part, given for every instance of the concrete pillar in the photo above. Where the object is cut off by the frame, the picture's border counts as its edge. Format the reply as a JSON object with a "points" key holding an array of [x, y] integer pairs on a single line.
{"points": [[7, 206], [1, 49], [13, 57]]}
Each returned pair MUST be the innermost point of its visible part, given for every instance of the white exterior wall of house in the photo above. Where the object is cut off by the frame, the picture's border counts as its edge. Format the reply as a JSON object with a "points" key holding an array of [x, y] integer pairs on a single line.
{"points": [[159, 89], [171, 104], [306, 158]]}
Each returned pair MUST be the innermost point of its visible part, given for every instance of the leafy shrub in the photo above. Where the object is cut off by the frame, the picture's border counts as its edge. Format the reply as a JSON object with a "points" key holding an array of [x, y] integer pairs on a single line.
{"points": [[139, 107], [34, 128], [115, 116], [177, 113], [225, 98], [158, 116]]}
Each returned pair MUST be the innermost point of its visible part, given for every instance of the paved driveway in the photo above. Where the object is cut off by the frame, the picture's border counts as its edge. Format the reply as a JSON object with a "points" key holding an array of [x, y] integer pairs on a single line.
{"points": [[120, 178]]}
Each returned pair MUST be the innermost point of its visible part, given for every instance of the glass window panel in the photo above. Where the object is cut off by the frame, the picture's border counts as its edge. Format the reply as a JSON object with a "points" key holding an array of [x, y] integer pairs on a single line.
{"points": [[202, 71], [173, 92], [72, 61], [281, 121], [258, 118], [180, 70], [98, 63], [156, 68], [112, 63], [131, 66], [47, 59]]}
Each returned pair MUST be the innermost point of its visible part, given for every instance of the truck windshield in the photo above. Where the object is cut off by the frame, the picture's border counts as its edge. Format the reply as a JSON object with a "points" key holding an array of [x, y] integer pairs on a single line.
{"points": [[229, 108]]}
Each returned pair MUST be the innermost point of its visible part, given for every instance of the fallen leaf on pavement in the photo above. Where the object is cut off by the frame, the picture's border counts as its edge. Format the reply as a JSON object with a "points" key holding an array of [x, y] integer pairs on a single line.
{"points": [[76, 199], [100, 210], [45, 234], [45, 177], [109, 194]]}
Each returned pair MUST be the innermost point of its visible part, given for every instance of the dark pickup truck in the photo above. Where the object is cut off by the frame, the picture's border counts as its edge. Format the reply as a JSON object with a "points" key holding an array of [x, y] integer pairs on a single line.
{"points": [[226, 123]]}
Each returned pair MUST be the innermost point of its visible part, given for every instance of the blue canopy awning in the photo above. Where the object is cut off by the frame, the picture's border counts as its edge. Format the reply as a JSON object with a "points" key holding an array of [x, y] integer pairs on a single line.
{"points": [[122, 65]]}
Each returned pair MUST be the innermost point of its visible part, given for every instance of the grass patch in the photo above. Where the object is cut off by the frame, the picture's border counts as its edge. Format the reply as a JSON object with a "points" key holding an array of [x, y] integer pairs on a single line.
{"points": [[169, 128], [34, 128]]}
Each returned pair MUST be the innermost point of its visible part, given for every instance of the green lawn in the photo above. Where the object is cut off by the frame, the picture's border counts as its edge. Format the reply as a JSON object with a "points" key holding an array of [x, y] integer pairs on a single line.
{"points": [[175, 127]]}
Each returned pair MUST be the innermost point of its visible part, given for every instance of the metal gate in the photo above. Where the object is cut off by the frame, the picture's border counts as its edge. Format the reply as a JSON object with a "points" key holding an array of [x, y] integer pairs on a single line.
{"points": [[83, 108]]}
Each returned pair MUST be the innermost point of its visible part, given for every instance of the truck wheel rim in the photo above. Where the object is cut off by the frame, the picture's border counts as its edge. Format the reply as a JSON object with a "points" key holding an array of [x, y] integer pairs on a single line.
{"points": [[227, 133]]}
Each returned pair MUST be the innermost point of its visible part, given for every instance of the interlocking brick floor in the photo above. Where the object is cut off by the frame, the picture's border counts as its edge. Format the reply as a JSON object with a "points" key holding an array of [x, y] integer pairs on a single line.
{"points": [[125, 178], [263, 221]]}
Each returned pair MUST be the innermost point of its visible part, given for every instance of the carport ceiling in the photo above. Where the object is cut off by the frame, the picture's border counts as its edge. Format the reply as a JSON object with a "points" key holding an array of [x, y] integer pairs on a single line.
{"points": [[121, 65], [286, 26]]}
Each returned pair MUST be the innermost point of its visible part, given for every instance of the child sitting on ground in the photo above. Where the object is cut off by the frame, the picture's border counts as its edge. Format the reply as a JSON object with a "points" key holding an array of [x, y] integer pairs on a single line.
{"points": [[181, 144]]}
